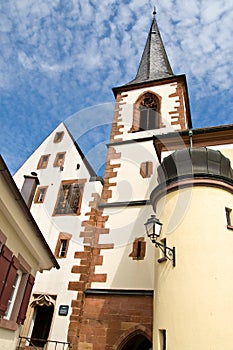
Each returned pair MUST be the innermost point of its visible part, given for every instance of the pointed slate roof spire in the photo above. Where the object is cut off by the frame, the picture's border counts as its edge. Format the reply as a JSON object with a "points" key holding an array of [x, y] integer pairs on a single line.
{"points": [[154, 63]]}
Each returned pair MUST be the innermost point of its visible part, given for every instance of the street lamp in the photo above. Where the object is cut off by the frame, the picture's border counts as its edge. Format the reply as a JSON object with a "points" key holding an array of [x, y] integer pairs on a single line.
{"points": [[153, 231]]}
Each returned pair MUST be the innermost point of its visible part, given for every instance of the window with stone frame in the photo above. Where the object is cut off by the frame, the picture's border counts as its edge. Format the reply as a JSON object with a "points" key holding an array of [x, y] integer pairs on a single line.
{"points": [[146, 115], [62, 245], [69, 198], [40, 194], [43, 162], [229, 218], [58, 136], [162, 339], [60, 159], [139, 249], [149, 117], [146, 169]]}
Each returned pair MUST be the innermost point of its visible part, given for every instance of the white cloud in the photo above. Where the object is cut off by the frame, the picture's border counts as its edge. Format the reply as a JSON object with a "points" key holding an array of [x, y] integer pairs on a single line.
{"points": [[62, 56], [5, 24]]}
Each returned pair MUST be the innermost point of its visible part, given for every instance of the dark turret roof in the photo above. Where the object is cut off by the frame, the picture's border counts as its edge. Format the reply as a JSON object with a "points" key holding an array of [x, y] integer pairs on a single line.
{"points": [[195, 163], [154, 63]]}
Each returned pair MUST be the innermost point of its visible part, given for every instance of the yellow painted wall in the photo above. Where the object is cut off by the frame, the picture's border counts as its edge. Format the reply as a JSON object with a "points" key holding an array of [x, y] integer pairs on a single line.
{"points": [[193, 300], [8, 339]]}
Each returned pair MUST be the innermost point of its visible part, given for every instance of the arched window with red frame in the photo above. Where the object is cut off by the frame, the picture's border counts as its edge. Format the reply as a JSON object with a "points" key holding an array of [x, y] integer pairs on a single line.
{"points": [[149, 112], [146, 113]]}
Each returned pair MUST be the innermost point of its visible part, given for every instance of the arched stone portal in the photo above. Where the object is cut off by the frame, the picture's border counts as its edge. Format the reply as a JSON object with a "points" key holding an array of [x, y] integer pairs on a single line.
{"points": [[137, 342], [42, 318], [134, 340], [42, 324]]}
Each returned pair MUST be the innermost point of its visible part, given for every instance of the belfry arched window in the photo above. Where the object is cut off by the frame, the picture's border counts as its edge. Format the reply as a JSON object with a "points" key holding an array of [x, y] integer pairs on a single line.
{"points": [[146, 113], [149, 112]]}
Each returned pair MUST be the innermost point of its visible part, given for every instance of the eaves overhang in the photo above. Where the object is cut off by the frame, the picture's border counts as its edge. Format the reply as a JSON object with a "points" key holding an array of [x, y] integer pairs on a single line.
{"points": [[26, 212], [126, 87]]}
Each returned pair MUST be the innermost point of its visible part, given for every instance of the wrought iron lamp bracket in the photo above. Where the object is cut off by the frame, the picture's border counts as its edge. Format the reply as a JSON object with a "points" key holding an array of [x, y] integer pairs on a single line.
{"points": [[169, 253]]}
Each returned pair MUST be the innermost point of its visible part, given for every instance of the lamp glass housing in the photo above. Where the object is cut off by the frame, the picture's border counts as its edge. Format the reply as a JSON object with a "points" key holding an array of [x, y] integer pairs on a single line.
{"points": [[153, 228]]}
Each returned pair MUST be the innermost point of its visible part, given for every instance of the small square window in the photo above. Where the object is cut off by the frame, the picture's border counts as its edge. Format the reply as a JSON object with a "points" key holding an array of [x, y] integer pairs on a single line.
{"points": [[146, 169], [40, 194], [162, 339], [58, 136], [59, 160], [43, 162], [229, 218], [62, 245], [139, 249]]}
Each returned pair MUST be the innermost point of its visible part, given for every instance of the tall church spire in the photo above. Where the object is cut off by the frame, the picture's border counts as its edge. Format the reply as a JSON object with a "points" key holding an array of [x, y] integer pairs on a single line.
{"points": [[154, 63]]}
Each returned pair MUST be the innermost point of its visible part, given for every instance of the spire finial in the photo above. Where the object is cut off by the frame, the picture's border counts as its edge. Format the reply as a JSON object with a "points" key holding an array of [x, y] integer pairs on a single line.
{"points": [[154, 12]]}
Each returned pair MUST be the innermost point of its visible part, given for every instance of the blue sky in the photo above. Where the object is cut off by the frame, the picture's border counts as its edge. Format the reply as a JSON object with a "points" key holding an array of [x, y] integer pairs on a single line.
{"points": [[59, 57]]}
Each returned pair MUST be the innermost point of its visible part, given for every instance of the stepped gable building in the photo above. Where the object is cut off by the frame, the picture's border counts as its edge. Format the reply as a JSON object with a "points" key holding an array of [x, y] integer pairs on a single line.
{"points": [[118, 288], [63, 200]]}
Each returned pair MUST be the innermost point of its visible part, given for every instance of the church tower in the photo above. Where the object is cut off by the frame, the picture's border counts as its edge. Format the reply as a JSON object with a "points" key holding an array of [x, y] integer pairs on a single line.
{"points": [[116, 311]]}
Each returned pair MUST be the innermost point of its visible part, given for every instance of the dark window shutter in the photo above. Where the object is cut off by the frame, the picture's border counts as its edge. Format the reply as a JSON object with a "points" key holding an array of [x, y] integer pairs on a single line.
{"points": [[143, 119], [74, 197], [8, 285], [133, 254], [149, 116], [27, 293], [139, 250], [5, 260], [67, 191], [150, 168], [157, 120], [142, 250], [62, 199], [143, 169], [146, 169], [153, 119]]}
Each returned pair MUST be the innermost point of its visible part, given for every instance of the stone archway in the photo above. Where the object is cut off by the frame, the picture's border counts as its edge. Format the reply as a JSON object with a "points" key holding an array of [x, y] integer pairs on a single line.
{"points": [[134, 339], [43, 306], [137, 342]]}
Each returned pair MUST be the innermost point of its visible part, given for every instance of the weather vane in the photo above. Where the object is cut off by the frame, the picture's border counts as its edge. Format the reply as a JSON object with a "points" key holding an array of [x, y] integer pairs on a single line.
{"points": [[154, 12]]}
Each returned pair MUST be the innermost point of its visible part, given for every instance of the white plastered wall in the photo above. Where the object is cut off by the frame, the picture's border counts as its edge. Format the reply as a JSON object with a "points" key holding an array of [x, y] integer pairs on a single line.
{"points": [[126, 224], [55, 282], [130, 184], [168, 104]]}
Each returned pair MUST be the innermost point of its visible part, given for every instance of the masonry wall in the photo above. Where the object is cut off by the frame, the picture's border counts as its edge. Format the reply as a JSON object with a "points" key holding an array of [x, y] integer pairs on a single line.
{"points": [[108, 319]]}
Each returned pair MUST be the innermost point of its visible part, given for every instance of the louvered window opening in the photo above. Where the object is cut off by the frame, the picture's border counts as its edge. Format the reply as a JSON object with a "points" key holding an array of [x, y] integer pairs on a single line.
{"points": [[149, 116]]}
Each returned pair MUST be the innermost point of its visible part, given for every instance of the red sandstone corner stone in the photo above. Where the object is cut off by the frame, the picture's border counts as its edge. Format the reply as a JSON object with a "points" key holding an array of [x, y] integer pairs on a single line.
{"points": [[81, 255], [76, 286], [101, 277]]}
